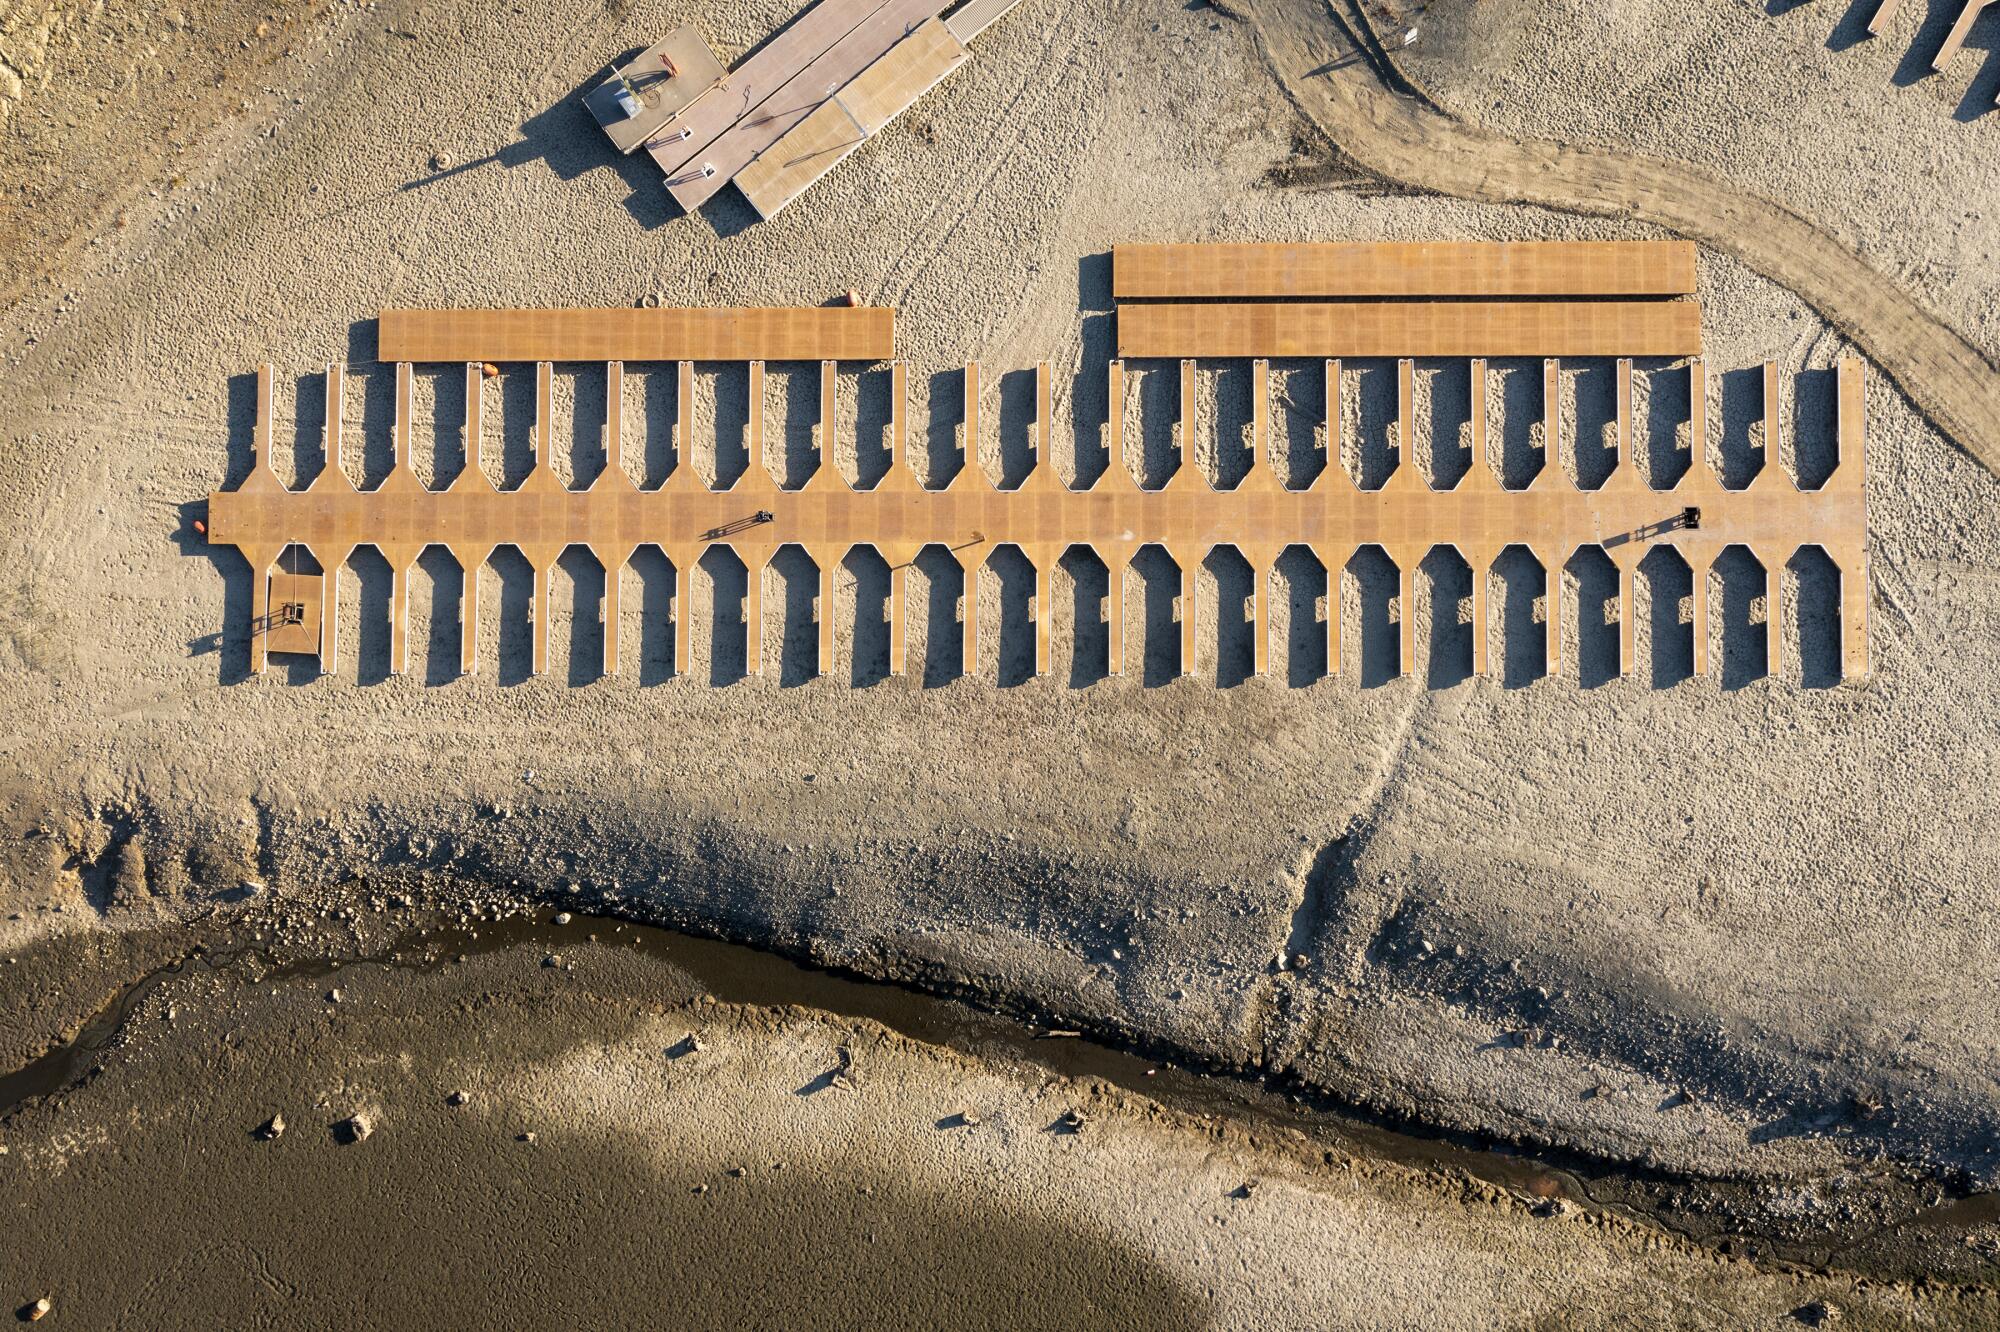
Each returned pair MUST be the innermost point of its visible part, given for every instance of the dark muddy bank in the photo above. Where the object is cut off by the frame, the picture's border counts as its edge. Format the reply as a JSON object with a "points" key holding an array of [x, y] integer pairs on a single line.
{"points": [[1886, 1227]]}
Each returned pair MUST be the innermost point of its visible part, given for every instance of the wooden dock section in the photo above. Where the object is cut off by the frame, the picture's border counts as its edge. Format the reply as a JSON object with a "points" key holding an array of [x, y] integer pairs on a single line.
{"points": [[790, 165], [1961, 28], [820, 333], [976, 16], [830, 78], [661, 96], [769, 68], [798, 104], [1115, 518], [1394, 270], [1410, 328]]}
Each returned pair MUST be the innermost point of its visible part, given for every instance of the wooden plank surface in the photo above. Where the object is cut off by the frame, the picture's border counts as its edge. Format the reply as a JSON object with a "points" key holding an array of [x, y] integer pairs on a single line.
{"points": [[762, 73], [877, 96], [1394, 269], [976, 16], [789, 167], [1443, 328], [833, 70], [661, 97], [1961, 27], [825, 333], [910, 69], [1259, 518]]}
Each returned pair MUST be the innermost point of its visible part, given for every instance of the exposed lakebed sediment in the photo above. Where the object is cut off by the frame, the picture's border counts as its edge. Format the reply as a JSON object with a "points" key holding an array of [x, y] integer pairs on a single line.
{"points": [[1901, 1225]]}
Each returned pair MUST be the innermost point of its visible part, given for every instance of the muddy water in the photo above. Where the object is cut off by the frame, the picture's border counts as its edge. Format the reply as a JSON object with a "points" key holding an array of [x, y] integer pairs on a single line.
{"points": [[739, 974], [452, 1216]]}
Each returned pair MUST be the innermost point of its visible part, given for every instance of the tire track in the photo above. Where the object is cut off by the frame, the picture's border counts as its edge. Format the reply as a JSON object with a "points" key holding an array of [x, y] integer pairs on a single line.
{"points": [[1412, 144]]}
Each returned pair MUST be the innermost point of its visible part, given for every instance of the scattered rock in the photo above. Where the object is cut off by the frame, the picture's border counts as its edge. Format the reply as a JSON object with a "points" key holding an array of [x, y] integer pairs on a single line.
{"points": [[1246, 1189], [274, 1127], [37, 1311], [458, 1098], [738, 1172], [527, 1137], [699, 1188], [562, 917], [333, 996], [1817, 1314], [552, 960], [1073, 1121], [354, 1128], [1555, 1208], [440, 161]]}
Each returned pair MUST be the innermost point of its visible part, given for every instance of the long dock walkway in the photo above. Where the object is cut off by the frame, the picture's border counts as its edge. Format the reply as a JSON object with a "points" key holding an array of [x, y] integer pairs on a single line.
{"points": [[1114, 518]]}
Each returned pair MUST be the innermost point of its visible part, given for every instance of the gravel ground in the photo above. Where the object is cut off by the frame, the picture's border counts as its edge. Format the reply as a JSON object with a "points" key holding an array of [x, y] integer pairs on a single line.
{"points": [[1757, 912], [1792, 102]]}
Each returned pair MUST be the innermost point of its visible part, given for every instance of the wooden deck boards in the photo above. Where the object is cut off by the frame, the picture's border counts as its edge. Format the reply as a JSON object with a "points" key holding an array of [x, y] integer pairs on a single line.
{"points": [[976, 16], [661, 97], [827, 333], [788, 167], [770, 68], [1390, 269], [1043, 518], [1961, 28], [1884, 12], [833, 70], [1455, 328]]}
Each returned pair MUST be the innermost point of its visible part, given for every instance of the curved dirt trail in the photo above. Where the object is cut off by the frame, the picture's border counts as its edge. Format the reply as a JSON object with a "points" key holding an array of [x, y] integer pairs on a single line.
{"points": [[1406, 142]]}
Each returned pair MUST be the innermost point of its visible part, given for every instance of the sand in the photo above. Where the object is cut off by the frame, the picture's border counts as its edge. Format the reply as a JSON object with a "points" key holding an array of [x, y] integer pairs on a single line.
{"points": [[1756, 909]]}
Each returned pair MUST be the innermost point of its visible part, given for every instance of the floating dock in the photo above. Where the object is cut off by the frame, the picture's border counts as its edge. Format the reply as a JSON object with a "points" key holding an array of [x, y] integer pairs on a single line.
{"points": [[1396, 314], [818, 89]]}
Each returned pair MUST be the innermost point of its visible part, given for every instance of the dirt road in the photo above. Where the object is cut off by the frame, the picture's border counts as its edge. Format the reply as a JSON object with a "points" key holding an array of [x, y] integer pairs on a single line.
{"points": [[1401, 139]]}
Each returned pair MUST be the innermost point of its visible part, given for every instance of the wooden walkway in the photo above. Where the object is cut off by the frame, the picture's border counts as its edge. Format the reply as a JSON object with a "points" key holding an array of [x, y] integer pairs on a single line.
{"points": [[812, 94], [848, 119], [1115, 518], [1409, 328], [819, 333], [766, 70], [1961, 28], [821, 83], [1386, 270]]}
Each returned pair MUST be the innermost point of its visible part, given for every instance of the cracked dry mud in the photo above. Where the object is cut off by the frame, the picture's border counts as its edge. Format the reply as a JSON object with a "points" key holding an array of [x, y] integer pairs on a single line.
{"points": [[1713, 957]]}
